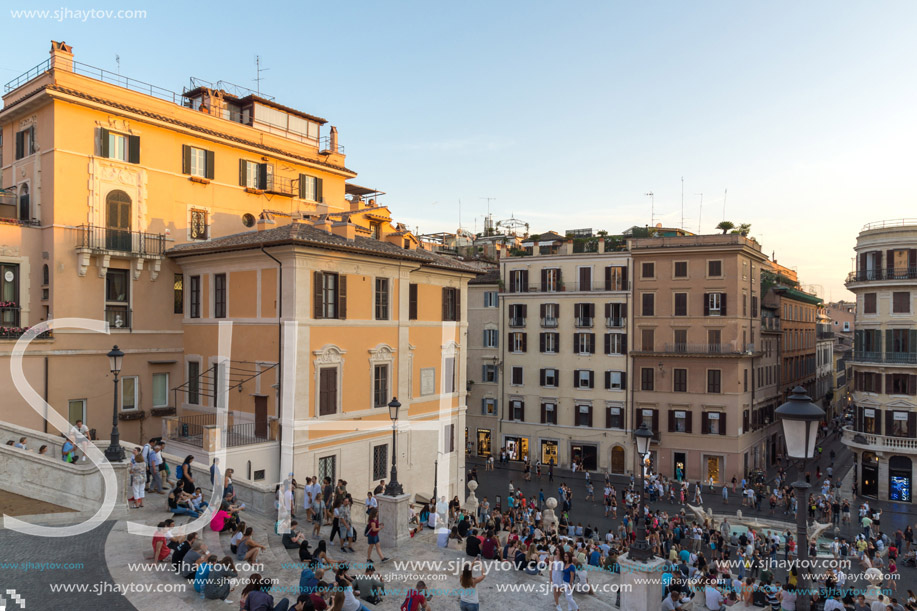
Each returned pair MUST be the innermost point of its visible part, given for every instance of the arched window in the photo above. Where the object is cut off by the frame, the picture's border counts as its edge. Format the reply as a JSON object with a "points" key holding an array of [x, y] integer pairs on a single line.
{"points": [[25, 208], [617, 459], [118, 221]]}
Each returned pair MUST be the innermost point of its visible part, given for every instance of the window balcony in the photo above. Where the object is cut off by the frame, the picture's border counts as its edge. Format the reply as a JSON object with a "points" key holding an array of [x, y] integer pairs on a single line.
{"points": [[889, 273], [549, 323], [584, 322], [616, 323], [685, 348], [517, 322], [878, 443], [107, 240], [887, 358], [118, 317]]}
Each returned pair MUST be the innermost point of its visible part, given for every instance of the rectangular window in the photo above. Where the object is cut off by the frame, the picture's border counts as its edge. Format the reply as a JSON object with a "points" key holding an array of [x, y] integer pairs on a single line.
{"points": [[715, 423], [160, 390], [584, 343], [583, 313], [517, 410], [380, 461], [9, 292], [117, 298], [517, 342], [680, 380], [549, 343], [647, 340], [449, 438], [198, 224], [310, 188], [615, 314], [585, 279], [897, 383], [901, 302], [489, 407], [615, 278], [549, 413], [328, 391], [519, 281], [129, 393], [549, 314], [714, 385], [248, 174], [381, 297], [178, 294], [194, 383], [681, 340], [517, 314], [490, 338], [681, 269], [219, 295], [714, 304], [412, 302], [327, 468], [714, 269], [648, 270], [615, 343], [614, 380], [117, 146], [647, 378], [451, 304], [550, 280], [489, 374], [329, 294], [681, 304], [194, 297], [76, 410], [583, 415], [583, 378], [517, 376], [614, 419], [25, 142], [449, 374], [899, 423], [380, 386], [648, 301], [491, 299], [549, 378], [679, 421], [197, 162]]}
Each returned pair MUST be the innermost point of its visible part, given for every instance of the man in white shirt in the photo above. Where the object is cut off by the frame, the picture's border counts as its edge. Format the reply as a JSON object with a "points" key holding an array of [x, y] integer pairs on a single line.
{"points": [[672, 602], [155, 459], [834, 604], [79, 433], [713, 598]]}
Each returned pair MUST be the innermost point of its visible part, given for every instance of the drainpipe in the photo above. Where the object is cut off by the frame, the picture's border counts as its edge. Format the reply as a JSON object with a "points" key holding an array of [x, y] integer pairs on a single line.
{"points": [[279, 351], [46, 395], [628, 372]]}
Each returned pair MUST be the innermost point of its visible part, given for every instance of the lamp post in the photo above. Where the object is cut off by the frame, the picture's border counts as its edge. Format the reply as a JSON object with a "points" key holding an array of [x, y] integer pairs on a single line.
{"points": [[800, 419], [394, 488], [114, 452], [641, 550]]}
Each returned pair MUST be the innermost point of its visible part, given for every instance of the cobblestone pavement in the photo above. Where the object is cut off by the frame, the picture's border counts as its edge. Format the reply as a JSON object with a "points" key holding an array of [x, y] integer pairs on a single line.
{"points": [[86, 552]]}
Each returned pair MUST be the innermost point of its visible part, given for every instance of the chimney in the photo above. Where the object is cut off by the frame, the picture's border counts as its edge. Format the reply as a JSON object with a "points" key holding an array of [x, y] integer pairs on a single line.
{"points": [[265, 220], [61, 56], [333, 140], [344, 229], [323, 224]]}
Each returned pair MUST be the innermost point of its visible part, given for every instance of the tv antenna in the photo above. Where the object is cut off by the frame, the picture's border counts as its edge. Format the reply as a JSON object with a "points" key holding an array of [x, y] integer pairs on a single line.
{"points": [[488, 202], [652, 197], [258, 71], [682, 202], [700, 212]]}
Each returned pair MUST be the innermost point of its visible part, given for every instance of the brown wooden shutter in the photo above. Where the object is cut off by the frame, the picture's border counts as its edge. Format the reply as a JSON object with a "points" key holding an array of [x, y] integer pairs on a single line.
{"points": [[706, 304], [445, 293], [412, 302], [590, 307], [911, 388], [133, 149], [607, 417], [608, 343], [544, 414], [607, 380], [624, 286], [32, 139], [319, 197], [525, 342], [317, 310], [889, 422], [209, 158], [671, 420], [525, 281], [656, 423], [705, 423], [544, 283], [608, 278], [590, 408], [723, 423], [689, 417], [541, 376], [103, 143], [591, 379], [185, 159], [541, 341], [889, 259], [509, 341], [722, 304], [623, 344], [242, 163], [342, 296], [592, 343], [543, 309], [911, 265], [525, 310]]}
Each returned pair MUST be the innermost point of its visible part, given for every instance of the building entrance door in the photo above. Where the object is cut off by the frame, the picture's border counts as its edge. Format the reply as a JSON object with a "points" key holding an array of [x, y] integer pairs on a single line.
{"points": [[714, 469], [870, 472], [585, 455], [617, 459], [679, 458], [549, 452], [484, 442]]}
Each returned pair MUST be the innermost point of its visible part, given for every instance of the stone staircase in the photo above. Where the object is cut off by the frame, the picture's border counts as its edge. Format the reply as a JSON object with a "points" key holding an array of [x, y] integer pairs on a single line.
{"points": [[123, 549]]}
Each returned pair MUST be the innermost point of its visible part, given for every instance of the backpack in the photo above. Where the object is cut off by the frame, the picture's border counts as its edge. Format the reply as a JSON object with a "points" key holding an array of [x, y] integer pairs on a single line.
{"points": [[408, 604]]}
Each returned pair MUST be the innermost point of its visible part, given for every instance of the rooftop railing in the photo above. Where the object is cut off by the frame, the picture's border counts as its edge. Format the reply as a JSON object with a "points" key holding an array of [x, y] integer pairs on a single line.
{"points": [[889, 223]]}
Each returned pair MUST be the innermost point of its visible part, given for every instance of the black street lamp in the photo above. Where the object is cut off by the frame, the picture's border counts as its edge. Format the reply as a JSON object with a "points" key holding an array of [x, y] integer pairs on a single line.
{"points": [[394, 488], [800, 419], [640, 550], [114, 452]]}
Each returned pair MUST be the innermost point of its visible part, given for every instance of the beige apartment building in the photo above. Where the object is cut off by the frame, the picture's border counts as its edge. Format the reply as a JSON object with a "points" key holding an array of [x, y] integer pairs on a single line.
{"points": [[564, 364], [884, 360], [482, 418], [697, 344]]}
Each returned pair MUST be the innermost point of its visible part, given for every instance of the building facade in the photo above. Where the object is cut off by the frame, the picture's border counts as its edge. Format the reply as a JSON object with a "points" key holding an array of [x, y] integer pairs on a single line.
{"points": [[884, 361], [104, 176], [564, 367], [697, 342], [485, 346]]}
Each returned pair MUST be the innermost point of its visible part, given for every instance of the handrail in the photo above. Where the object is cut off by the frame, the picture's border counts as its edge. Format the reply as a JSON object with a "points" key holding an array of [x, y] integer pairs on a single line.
{"points": [[889, 223]]}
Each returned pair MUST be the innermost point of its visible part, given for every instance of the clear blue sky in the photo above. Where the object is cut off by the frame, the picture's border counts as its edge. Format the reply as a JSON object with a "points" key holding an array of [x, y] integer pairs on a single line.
{"points": [[568, 112]]}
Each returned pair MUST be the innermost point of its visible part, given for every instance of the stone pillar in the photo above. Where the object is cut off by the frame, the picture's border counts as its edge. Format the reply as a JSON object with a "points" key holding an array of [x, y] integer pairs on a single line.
{"points": [[548, 519], [883, 476], [394, 516], [641, 583], [471, 503]]}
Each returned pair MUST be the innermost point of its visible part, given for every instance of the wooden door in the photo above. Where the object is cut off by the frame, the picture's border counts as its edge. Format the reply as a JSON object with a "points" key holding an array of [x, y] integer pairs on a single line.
{"points": [[261, 417]]}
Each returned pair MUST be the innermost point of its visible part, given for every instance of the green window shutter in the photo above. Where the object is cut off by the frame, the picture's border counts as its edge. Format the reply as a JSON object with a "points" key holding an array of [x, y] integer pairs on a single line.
{"points": [[185, 159], [103, 142], [242, 163], [318, 190], [209, 160], [302, 186], [133, 149], [342, 297]]}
